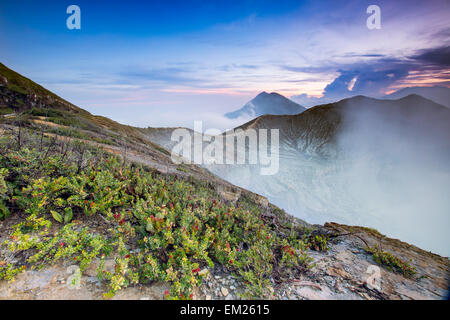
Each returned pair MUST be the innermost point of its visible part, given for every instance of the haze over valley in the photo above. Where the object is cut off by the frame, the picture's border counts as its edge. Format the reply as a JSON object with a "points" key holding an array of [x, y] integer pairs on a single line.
{"points": [[383, 164]]}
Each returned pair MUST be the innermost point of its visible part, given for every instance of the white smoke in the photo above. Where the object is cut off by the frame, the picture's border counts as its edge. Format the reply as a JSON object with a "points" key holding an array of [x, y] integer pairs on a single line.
{"points": [[400, 174], [391, 173]]}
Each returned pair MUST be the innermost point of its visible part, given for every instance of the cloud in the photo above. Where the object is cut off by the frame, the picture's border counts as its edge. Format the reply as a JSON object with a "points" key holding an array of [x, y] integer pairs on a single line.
{"points": [[375, 78], [359, 79], [318, 69], [366, 55], [436, 56], [172, 75], [340, 85], [231, 67], [373, 81]]}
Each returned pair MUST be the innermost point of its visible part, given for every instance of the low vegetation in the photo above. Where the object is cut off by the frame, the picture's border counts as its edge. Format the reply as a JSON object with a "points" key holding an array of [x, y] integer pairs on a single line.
{"points": [[391, 262], [318, 242], [157, 227]]}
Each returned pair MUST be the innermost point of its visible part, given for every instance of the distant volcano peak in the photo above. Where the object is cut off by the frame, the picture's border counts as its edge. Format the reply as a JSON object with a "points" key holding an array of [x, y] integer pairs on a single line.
{"points": [[267, 103]]}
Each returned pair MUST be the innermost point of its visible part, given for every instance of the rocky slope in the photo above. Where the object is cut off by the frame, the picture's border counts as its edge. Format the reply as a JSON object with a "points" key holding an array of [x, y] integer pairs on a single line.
{"points": [[344, 272]]}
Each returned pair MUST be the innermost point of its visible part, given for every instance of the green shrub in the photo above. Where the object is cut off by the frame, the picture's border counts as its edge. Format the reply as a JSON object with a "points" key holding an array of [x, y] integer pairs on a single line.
{"points": [[318, 243], [4, 211], [180, 226], [391, 262]]}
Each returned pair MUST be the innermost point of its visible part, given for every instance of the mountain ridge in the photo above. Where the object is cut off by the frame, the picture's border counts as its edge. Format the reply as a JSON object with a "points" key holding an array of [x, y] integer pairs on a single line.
{"points": [[440, 95], [343, 103]]}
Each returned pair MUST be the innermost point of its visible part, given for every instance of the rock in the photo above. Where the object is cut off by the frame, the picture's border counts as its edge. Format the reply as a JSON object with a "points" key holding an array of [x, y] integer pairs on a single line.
{"points": [[309, 293], [336, 272], [208, 297], [228, 193], [229, 297], [365, 296], [204, 271], [338, 287], [224, 291], [93, 280], [314, 294]]}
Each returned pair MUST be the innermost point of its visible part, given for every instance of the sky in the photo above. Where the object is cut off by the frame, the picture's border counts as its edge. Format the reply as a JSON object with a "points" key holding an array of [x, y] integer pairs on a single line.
{"points": [[169, 63]]}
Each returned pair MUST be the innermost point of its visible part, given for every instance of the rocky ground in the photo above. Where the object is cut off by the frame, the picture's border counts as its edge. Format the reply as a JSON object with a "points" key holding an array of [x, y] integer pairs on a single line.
{"points": [[346, 271]]}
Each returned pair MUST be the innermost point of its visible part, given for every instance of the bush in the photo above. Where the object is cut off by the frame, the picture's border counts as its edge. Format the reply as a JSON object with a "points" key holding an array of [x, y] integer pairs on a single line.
{"points": [[391, 262], [4, 211], [179, 226]]}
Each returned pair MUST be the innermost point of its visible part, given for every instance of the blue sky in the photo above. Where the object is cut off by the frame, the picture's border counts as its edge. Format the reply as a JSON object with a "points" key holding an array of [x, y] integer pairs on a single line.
{"points": [[168, 63]]}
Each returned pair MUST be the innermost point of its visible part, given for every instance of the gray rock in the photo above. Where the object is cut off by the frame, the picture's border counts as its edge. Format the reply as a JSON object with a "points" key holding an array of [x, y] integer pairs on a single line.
{"points": [[224, 291]]}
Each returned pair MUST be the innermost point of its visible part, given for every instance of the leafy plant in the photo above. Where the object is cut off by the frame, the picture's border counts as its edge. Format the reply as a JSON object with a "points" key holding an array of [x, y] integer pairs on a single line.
{"points": [[4, 211], [180, 226], [391, 262], [318, 243]]}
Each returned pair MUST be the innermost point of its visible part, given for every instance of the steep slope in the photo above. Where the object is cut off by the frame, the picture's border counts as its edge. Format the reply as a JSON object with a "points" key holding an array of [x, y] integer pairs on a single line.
{"points": [[265, 103], [18, 93], [162, 136], [26, 104]]}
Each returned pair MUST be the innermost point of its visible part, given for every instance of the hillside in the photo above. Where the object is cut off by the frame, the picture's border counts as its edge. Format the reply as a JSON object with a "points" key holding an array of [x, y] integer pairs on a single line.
{"points": [[88, 203]]}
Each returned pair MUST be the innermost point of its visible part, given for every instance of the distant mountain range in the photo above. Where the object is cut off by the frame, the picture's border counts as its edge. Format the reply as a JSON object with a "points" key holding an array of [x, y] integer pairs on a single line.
{"points": [[439, 95], [266, 103], [276, 104]]}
